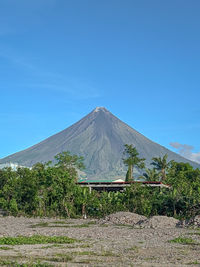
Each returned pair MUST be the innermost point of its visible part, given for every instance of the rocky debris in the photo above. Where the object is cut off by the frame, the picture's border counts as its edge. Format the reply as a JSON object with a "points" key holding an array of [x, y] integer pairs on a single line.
{"points": [[123, 218], [140, 221], [159, 222], [193, 222], [114, 246]]}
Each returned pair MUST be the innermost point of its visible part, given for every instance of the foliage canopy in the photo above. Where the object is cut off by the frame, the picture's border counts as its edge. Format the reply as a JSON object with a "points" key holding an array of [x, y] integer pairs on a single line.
{"points": [[47, 190]]}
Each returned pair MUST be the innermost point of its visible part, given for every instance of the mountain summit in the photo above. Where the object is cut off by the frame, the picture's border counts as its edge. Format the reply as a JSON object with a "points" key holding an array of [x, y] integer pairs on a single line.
{"points": [[100, 138]]}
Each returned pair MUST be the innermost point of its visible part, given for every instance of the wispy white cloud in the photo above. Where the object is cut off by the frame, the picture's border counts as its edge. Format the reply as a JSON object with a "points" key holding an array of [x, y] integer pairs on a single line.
{"points": [[13, 58], [186, 151], [43, 79]]}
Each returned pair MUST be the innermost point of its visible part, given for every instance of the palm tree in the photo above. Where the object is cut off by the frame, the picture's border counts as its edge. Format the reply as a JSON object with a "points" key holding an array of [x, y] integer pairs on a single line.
{"points": [[131, 161], [161, 165], [151, 175]]}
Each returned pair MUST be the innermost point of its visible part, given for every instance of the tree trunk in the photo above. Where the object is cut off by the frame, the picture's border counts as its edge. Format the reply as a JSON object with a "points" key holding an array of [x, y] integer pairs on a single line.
{"points": [[163, 174], [129, 174], [83, 212]]}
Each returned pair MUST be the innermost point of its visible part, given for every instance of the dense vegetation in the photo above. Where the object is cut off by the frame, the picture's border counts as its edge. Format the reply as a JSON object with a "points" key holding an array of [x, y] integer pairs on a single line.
{"points": [[47, 190]]}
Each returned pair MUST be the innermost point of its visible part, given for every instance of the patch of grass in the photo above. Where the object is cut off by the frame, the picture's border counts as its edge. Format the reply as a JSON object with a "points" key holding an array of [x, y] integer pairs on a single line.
{"points": [[194, 262], [52, 246], [42, 264], [85, 246], [104, 225], [194, 233], [80, 225], [11, 263], [183, 241], [65, 246], [70, 226], [36, 239], [71, 246], [62, 225], [42, 224], [87, 261], [5, 248], [108, 254], [60, 222]]}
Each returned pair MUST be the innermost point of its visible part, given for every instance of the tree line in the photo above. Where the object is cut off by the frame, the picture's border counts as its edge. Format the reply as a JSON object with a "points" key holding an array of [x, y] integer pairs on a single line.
{"points": [[52, 190]]}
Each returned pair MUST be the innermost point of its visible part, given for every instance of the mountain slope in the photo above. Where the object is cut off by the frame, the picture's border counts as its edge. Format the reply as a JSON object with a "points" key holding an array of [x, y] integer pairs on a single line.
{"points": [[99, 137]]}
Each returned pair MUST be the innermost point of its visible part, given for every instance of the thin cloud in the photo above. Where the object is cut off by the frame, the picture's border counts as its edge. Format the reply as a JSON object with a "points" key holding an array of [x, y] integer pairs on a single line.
{"points": [[50, 81], [186, 151], [15, 59]]}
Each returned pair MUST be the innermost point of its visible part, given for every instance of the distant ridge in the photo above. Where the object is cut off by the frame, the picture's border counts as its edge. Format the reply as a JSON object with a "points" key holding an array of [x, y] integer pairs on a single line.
{"points": [[99, 137]]}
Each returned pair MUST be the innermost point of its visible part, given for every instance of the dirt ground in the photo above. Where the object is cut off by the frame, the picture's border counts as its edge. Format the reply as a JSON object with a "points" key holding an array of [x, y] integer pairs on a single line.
{"points": [[98, 244]]}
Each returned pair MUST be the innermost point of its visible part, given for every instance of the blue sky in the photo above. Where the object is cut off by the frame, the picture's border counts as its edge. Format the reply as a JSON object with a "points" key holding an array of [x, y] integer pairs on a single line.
{"points": [[139, 59]]}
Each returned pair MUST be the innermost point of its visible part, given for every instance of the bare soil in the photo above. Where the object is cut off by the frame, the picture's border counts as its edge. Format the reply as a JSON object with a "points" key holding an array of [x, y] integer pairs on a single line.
{"points": [[114, 241]]}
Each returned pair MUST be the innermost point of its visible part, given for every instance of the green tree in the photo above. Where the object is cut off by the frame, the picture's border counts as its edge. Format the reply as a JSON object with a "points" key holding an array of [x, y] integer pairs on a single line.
{"points": [[185, 190], [69, 162], [26, 190], [151, 175], [138, 199], [161, 165], [132, 160]]}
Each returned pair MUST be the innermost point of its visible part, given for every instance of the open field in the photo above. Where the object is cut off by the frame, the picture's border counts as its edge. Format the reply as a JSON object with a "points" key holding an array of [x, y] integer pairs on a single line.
{"points": [[92, 244]]}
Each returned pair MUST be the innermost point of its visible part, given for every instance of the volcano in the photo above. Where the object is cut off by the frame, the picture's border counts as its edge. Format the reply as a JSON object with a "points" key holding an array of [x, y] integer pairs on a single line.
{"points": [[100, 138]]}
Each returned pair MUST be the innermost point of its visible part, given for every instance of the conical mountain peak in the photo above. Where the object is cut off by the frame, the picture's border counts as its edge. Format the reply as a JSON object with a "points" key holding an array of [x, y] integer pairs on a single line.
{"points": [[97, 109], [100, 138], [101, 110]]}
